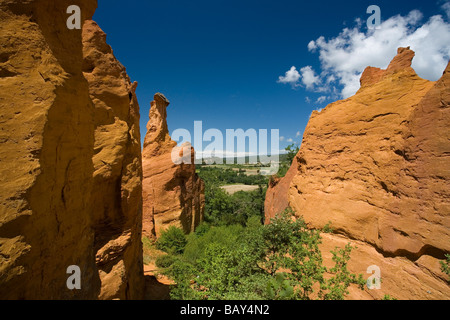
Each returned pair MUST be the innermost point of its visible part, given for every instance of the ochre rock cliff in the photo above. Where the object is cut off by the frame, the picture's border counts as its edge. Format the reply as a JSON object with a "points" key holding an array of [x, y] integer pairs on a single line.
{"points": [[376, 166], [117, 192], [173, 194], [70, 167], [276, 200]]}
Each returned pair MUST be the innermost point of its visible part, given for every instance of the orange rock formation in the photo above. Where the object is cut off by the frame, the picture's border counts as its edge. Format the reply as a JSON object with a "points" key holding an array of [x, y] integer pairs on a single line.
{"points": [[117, 192], [173, 194], [70, 180], [377, 166]]}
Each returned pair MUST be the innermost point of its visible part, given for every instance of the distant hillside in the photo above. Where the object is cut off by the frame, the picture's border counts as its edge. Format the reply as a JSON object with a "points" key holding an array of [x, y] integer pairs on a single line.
{"points": [[239, 160]]}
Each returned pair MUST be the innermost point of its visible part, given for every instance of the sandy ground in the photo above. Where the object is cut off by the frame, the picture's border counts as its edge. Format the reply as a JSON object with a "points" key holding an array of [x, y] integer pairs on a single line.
{"points": [[231, 189]]}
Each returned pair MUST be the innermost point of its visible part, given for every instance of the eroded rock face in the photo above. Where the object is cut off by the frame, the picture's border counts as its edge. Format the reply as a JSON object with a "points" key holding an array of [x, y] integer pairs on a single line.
{"points": [[70, 180], [47, 145], [117, 192], [276, 200], [173, 194], [377, 166]]}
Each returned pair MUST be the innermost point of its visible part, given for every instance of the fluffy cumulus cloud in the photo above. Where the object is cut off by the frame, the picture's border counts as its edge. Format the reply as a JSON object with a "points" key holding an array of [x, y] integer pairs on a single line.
{"points": [[344, 58], [309, 77], [291, 77]]}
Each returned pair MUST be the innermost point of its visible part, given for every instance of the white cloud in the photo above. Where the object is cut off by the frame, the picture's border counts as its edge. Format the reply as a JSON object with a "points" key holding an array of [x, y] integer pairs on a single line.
{"points": [[331, 78], [309, 77], [291, 76], [290, 140], [446, 8], [298, 134], [344, 58], [312, 45], [308, 99], [281, 138], [321, 99]]}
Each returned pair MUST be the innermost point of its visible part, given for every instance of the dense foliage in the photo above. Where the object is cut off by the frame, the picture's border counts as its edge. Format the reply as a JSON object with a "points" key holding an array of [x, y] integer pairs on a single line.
{"points": [[281, 260], [223, 176], [233, 255], [224, 209]]}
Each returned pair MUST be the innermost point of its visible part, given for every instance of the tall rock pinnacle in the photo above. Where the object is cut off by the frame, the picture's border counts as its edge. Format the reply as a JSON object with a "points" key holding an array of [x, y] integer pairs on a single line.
{"points": [[173, 194]]}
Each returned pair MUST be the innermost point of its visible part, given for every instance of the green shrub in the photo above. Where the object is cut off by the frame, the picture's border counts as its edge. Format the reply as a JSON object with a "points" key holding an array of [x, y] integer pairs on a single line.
{"points": [[445, 265], [236, 262], [202, 228], [225, 235], [172, 240], [165, 261], [279, 288]]}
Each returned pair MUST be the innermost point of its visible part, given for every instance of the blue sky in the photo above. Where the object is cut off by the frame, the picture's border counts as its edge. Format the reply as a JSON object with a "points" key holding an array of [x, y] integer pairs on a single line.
{"points": [[220, 61]]}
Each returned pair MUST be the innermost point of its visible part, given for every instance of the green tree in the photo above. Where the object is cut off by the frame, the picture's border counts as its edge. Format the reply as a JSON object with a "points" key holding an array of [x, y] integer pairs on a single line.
{"points": [[293, 246], [292, 151], [172, 240], [281, 260]]}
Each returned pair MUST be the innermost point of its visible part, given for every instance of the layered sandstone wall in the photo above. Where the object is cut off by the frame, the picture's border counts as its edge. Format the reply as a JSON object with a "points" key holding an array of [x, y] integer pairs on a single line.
{"points": [[376, 166], [70, 167], [173, 194]]}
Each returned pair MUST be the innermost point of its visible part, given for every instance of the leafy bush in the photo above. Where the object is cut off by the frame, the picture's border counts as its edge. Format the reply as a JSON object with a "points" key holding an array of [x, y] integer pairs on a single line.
{"points": [[224, 209], [202, 228], [165, 261], [292, 246], [172, 240], [197, 244], [445, 265], [279, 288], [286, 161], [236, 262]]}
